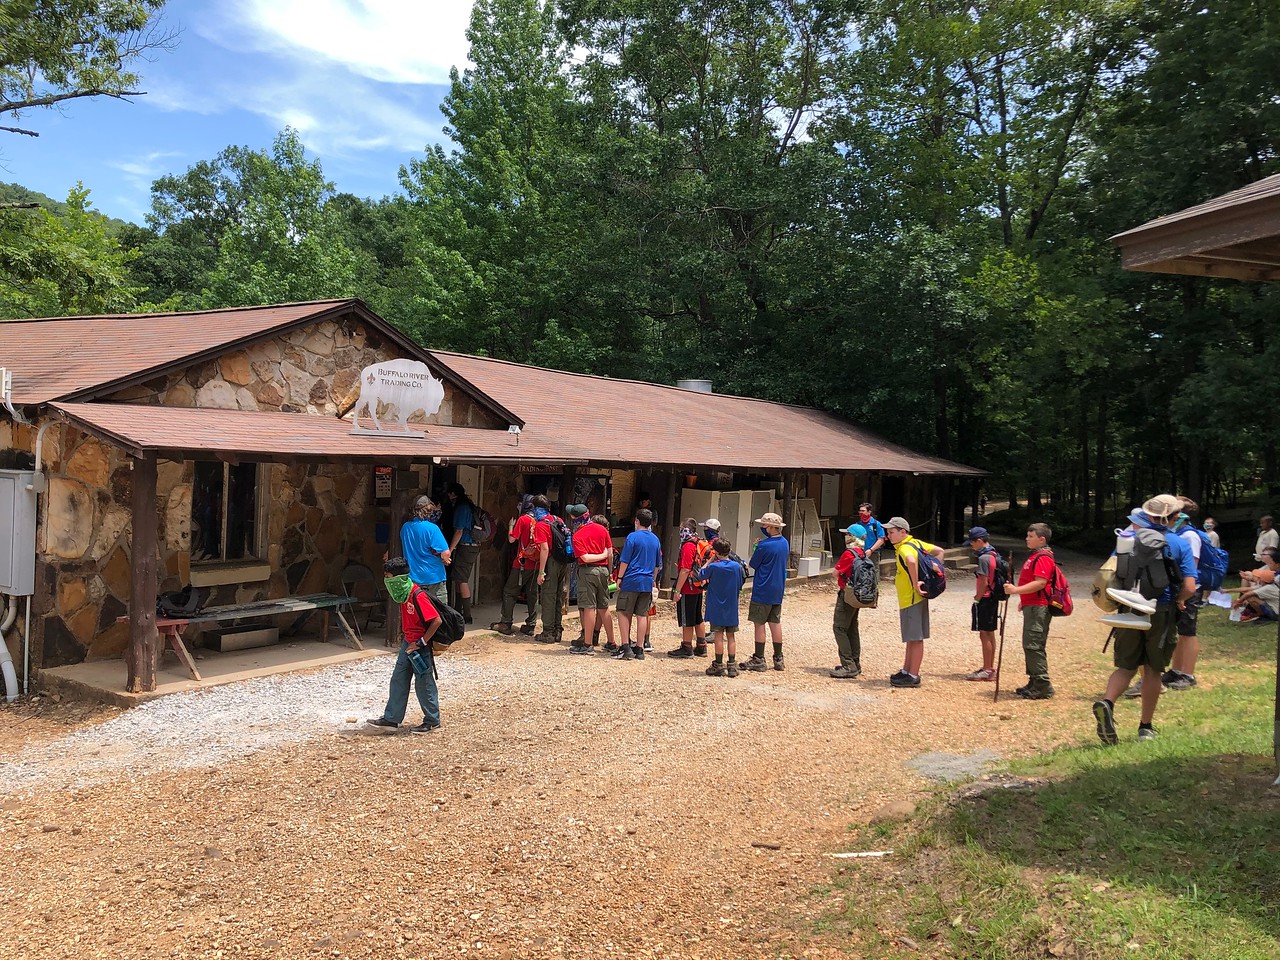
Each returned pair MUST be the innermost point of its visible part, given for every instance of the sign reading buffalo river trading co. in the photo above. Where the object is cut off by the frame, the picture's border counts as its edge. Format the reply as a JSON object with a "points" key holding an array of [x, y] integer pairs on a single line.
{"points": [[405, 386]]}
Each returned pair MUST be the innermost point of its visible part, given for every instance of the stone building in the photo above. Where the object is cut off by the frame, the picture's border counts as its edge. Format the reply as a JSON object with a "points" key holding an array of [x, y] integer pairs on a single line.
{"points": [[241, 419]]}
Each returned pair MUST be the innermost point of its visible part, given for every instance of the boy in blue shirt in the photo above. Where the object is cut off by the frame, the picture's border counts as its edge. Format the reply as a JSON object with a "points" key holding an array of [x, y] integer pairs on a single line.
{"points": [[724, 584], [637, 567], [769, 561]]}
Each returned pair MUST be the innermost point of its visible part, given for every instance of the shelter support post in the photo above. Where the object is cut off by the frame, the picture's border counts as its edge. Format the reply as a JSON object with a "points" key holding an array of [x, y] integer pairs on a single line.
{"points": [[143, 653]]}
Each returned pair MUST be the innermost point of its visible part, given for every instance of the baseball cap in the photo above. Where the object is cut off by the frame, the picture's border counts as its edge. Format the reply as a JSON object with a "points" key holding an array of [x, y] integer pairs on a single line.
{"points": [[898, 523], [977, 533], [712, 524]]}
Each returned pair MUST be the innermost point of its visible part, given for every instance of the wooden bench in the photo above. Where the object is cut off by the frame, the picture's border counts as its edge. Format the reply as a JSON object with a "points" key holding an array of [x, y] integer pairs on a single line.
{"points": [[328, 604]]}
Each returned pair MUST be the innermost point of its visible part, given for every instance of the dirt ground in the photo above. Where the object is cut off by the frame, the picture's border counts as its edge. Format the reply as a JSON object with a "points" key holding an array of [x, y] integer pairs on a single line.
{"points": [[569, 805]]}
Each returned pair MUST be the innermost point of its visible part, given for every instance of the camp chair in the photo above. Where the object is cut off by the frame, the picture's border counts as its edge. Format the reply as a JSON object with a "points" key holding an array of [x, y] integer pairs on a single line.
{"points": [[359, 583]]}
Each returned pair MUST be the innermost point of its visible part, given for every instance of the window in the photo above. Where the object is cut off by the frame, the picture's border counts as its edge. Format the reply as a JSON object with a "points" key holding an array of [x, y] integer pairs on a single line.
{"points": [[224, 512]]}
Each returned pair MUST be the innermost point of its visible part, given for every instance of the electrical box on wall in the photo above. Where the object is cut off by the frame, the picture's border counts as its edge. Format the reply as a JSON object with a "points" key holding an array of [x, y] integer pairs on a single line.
{"points": [[17, 532]]}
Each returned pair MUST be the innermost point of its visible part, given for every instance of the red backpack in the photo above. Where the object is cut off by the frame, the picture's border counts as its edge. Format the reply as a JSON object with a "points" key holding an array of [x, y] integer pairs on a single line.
{"points": [[1058, 591]]}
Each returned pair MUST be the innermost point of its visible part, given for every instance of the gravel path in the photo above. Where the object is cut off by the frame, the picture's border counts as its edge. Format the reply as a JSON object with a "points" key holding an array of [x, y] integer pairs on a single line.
{"points": [[572, 806]]}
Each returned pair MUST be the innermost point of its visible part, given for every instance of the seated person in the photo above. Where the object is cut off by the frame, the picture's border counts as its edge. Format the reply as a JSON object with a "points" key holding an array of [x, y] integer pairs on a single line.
{"points": [[1260, 595]]}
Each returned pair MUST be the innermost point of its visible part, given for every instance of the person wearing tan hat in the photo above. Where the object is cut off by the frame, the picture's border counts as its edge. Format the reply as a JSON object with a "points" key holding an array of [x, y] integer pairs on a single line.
{"points": [[768, 584], [1149, 650], [913, 607]]}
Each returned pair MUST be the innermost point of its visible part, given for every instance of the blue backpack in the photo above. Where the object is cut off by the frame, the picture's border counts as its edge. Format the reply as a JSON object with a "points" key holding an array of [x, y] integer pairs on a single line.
{"points": [[930, 572], [1213, 563]]}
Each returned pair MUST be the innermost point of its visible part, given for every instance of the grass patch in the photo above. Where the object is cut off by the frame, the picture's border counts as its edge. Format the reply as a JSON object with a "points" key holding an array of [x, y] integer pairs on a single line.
{"points": [[1168, 849]]}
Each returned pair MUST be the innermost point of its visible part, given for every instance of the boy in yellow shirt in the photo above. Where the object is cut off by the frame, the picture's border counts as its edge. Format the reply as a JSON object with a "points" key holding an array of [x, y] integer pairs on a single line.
{"points": [[913, 608]]}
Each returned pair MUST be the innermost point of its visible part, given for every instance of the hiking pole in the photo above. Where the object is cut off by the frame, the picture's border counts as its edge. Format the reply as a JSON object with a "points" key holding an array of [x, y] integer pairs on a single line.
{"points": [[1004, 615], [1275, 729]]}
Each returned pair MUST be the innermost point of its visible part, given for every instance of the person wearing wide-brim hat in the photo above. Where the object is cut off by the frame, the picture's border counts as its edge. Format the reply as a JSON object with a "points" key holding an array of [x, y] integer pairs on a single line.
{"points": [[1149, 650], [769, 563]]}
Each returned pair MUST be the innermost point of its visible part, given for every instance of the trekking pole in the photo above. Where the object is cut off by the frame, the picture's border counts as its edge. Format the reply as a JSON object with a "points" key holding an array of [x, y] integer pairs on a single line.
{"points": [[1004, 615], [1275, 730]]}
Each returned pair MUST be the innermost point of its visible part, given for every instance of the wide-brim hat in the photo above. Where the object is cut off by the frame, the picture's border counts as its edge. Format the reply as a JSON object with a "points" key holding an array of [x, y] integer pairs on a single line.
{"points": [[770, 520], [1162, 505]]}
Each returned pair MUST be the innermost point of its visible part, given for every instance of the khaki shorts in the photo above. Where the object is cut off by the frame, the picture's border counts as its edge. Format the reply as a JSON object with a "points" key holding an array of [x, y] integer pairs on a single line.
{"points": [[1152, 648], [463, 562], [634, 603], [593, 587], [764, 612]]}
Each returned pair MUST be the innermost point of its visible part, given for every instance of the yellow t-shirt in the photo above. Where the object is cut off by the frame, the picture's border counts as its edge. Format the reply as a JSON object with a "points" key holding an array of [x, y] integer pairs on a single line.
{"points": [[908, 592]]}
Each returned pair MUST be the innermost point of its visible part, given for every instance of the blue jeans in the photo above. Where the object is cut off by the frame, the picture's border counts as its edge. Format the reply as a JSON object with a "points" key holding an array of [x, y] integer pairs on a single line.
{"points": [[424, 685]]}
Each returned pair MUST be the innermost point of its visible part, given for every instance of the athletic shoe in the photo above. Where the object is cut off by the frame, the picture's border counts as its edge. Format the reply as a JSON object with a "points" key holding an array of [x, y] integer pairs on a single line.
{"points": [[647, 644], [981, 674], [1147, 733], [1103, 713], [700, 650], [1179, 681], [382, 722], [1132, 599], [580, 648], [1136, 690], [682, 652], [754, 664], [424, 727], [778, 663], [638, 652], [503, 628], [843, 673], [623, 653], [715, 669], [731, 669], [904, 679], [611, 647], [1127, 621]]}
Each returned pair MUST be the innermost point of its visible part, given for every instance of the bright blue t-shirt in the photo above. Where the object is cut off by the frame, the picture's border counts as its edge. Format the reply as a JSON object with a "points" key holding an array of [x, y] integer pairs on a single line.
{"points": [[463, 518], [724, 583], [642, 553], [769, 561], [1184, 561], [875, 531], [423, 542]]}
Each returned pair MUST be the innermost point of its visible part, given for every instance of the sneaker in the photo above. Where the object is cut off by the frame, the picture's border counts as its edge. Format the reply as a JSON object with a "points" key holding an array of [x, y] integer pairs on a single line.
{"points": [[700, 650], [716, 669], [1248, 616], [754, 664], [527, 629], [1127, 621], [682, 652], [1132, 599], [1147, 733], [1103, 713], [731, 669], [503, 628], [638, 652], [424, 727], [647, 644], [611, 647], [778, 663], [1136, 690], [1180, 681], [981, 674], [843, 673], [904, 679], [382, 722], [623, 653], [580, 648]]}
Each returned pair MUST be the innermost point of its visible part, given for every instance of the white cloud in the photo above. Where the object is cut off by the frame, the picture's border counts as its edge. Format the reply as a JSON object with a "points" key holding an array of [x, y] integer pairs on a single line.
{"points": [[390, 41], [147, 167]]}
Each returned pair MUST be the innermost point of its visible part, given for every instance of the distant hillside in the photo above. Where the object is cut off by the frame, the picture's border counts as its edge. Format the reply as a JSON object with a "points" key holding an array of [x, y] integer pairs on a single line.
{"points": [[16, 193]]}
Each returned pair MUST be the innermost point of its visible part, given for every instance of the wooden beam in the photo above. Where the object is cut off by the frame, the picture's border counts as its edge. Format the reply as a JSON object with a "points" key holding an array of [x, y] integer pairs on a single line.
{"points": [[143, 653]]}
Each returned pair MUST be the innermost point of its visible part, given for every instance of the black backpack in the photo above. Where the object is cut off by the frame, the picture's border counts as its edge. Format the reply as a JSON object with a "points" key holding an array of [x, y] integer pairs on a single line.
{"points": [[863, 586], [561, 538], [451, 628], [1148, 569]]}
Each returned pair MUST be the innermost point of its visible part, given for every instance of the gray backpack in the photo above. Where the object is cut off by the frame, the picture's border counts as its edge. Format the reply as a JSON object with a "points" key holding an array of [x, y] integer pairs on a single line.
{"points": [[1148, 570]]}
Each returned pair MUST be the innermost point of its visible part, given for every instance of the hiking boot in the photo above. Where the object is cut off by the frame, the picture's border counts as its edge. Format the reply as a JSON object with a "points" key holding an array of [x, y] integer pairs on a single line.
{"points": [[382, 722], [700, 650], [527, 629], [904, 679], [623, 653], [754, 664], [982, 673], [503, 628], [1103, 713], [731, 669], [682, 652], [778, 663], [545, 637], [424, 727], [1036, 691], [844, 673], [715, 669], [638, 652], [1147, 733]]}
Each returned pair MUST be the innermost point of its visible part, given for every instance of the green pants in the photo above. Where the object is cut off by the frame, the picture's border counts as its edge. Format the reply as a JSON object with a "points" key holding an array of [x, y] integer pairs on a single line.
{"points": [[1035, 636], [552, 587], [844, 624], [521, 580]]}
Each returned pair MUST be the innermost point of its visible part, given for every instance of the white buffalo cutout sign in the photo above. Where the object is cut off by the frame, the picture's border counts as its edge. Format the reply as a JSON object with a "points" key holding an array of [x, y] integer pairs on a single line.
{"points": [[405, 385]]}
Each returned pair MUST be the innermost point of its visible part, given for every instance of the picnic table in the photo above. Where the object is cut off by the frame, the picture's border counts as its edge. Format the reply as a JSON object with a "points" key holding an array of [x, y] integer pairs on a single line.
{"points": [[328, 604]]}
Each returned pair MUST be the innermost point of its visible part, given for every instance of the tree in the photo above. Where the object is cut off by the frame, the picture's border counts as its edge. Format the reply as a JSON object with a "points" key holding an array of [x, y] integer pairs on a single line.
{"points": [[52, 51]]}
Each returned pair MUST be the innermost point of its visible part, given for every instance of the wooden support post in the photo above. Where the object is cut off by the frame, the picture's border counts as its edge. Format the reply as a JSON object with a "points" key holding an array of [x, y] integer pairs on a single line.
{"points": [[401, 505], [143, 653]]}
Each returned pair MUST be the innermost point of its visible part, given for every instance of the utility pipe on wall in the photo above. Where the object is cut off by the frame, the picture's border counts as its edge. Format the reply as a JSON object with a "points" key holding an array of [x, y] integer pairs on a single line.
{"points": [[6, 660]]}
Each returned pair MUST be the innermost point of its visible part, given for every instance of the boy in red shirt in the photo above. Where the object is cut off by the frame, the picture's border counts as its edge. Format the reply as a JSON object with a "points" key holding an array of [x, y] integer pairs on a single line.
{"points": [[694, 551], [532, 540], [844, 622], [593, 551], [418, 623], [1034, 577]]}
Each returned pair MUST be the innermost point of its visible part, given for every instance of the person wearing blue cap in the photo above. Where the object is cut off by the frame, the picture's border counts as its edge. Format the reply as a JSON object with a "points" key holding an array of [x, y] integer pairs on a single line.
{"points": [[987, 597], [844, 623]]}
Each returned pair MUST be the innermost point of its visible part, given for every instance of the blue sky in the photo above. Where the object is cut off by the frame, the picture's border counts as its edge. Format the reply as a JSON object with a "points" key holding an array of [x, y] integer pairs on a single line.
{"points": [[361, 81]]}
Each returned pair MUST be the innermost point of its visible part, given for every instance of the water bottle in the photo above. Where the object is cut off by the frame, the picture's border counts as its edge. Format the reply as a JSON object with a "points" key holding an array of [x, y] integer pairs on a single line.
{"points": [[418, 660]]}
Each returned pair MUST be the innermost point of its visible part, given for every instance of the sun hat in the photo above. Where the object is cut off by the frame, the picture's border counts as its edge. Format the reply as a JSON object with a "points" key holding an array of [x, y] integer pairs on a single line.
{"points": [[1162, 505], [898, 523], [857, 530], [770, 520], [712, 524], [977, 533]]}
